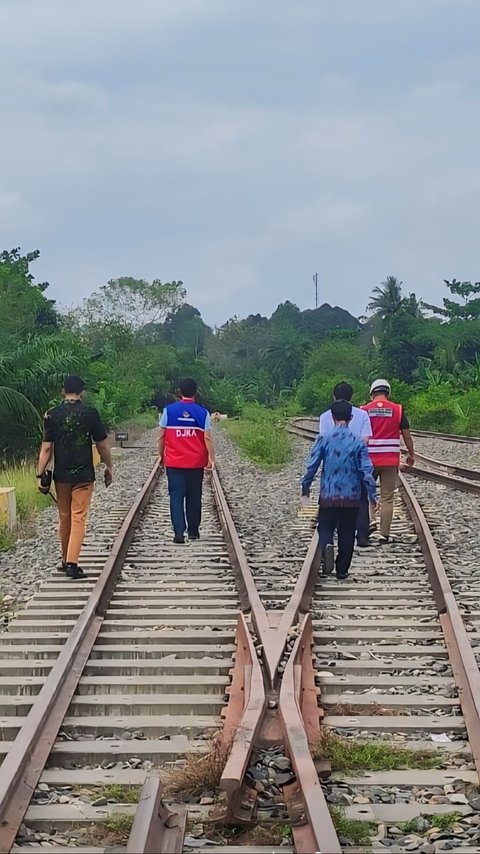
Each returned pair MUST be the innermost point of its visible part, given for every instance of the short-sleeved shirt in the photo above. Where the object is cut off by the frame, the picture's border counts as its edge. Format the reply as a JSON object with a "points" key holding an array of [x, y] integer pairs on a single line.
{"points": [[72, 427], [360, 424]]}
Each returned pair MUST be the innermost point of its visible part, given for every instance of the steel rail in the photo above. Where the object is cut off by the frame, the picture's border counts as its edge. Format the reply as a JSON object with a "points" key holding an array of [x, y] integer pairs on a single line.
{"points": [[313, 831], [243, 719], [25, 761], [462, 658], [436, 470], [445, 467], [156, 829], [426, 434]]}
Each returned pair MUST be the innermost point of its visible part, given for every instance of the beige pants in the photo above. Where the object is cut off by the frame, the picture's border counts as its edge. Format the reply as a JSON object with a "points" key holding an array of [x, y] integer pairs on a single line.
{"points": [[388, 480], [73, 505]]}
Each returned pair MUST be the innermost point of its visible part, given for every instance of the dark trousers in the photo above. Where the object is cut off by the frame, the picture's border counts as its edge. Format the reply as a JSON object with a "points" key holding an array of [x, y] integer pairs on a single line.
{"points": [[363, 517], [344, 521], [185, 489]]}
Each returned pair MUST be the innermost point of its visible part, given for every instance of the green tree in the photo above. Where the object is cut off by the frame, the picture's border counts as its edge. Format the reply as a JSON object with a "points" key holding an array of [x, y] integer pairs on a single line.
{"points": [[469, 309], [23, 307], [387, 299], [132, 303]]}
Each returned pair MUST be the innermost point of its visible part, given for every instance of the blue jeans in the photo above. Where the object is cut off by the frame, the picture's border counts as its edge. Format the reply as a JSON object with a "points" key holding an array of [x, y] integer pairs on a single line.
{"points": [[185, 490]]}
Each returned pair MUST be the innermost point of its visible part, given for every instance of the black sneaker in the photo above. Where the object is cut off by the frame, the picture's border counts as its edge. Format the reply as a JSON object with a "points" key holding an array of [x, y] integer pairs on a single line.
{"points": [[179, 539], [342, 577], [194, 535], [62, 567], [76, 572], [363, 544], [328, 560]]}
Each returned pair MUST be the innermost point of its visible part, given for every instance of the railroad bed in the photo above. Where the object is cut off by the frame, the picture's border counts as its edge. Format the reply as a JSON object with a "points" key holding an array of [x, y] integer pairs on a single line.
{"points": [[170, 655], [154, 684], [198, 640]]}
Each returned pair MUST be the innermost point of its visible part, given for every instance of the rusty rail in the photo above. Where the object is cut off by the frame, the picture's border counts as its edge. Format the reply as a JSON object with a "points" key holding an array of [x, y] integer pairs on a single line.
{"points": [[462, 658], [25, 761], [243, 718], [299, 712], [310, 423], [156, 829]]}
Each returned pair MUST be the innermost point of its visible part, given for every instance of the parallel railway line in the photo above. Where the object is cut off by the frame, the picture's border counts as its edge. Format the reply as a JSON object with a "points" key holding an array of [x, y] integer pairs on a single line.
{"points": [[395, 662]]}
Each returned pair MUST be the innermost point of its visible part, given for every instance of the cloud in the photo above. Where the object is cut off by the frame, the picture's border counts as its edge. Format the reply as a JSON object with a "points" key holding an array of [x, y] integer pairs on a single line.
{"points": [[241, 146]]}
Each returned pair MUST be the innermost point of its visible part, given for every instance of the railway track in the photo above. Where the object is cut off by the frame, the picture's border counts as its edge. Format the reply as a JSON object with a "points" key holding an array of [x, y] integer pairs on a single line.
{"points": [[395, 665], [111, 685], [173, 645]]}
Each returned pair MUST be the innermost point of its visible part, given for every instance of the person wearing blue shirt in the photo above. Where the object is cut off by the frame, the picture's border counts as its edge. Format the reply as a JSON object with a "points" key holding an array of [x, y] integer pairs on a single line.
{"points": [[346, 467], [361, 428]]}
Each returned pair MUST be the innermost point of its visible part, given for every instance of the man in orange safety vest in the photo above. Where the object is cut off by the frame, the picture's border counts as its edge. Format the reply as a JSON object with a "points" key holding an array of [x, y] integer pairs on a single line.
{"points": [[388, 421]]}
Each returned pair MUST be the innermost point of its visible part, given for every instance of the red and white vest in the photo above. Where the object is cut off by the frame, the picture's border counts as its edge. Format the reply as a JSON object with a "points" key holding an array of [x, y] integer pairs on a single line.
{"points": [[384, 444]]}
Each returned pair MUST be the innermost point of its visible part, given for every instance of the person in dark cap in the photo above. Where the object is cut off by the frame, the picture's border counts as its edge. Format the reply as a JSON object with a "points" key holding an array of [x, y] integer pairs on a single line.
{"points": [[345, 467], [68, 431]]}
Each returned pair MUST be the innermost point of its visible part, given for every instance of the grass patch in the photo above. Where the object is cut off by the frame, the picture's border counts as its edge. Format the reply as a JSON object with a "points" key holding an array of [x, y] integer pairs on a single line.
{"points": [[357, 832], [441, 821], [200, 772], [121, 824], [29, 500], [346, 755], [444, 821], [7, 539], [120, 794], [261, 436]]}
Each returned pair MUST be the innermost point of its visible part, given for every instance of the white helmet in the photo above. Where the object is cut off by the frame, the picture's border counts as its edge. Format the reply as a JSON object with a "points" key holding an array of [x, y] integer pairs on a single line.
{"points": [[380, 385]]}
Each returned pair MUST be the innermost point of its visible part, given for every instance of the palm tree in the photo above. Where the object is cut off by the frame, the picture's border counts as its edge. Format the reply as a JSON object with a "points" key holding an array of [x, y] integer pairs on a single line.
{"points": [[387, 299]]}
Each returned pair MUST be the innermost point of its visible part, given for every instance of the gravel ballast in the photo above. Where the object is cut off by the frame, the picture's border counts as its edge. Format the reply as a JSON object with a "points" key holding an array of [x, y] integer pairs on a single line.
{"points": [[264, 506], [23, 568]]}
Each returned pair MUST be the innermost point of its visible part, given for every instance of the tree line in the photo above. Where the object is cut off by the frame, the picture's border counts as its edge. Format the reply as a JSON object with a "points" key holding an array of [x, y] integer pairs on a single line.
{"points": [[133, 340]]}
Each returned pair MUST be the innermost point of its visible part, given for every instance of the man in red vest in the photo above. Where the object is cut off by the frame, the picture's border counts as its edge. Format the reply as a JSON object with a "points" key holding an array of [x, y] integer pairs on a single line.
{"points": [[185, 448], [388, 421]]}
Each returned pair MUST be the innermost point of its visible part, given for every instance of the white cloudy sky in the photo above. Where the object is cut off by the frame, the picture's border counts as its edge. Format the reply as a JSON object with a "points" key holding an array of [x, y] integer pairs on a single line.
{"points": [[241, 145]]}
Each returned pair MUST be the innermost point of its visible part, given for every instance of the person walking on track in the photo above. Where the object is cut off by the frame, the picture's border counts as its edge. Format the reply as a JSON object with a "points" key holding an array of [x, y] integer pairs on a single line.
{"points": [[361, 428], [346, 467], [69, 430], [185, 448], [388, 422]]}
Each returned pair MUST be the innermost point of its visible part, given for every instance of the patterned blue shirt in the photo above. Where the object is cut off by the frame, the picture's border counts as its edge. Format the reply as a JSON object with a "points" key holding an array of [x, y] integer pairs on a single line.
{"points": [[346, 466]]}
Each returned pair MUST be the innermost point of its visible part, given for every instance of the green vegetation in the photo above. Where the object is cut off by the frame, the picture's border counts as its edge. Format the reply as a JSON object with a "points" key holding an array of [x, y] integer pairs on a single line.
{"points": [[357, 832], [133, 340], [119, 824], [29, 499], [347, 755], [442, 821], [261, 436], [120, 794]]}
